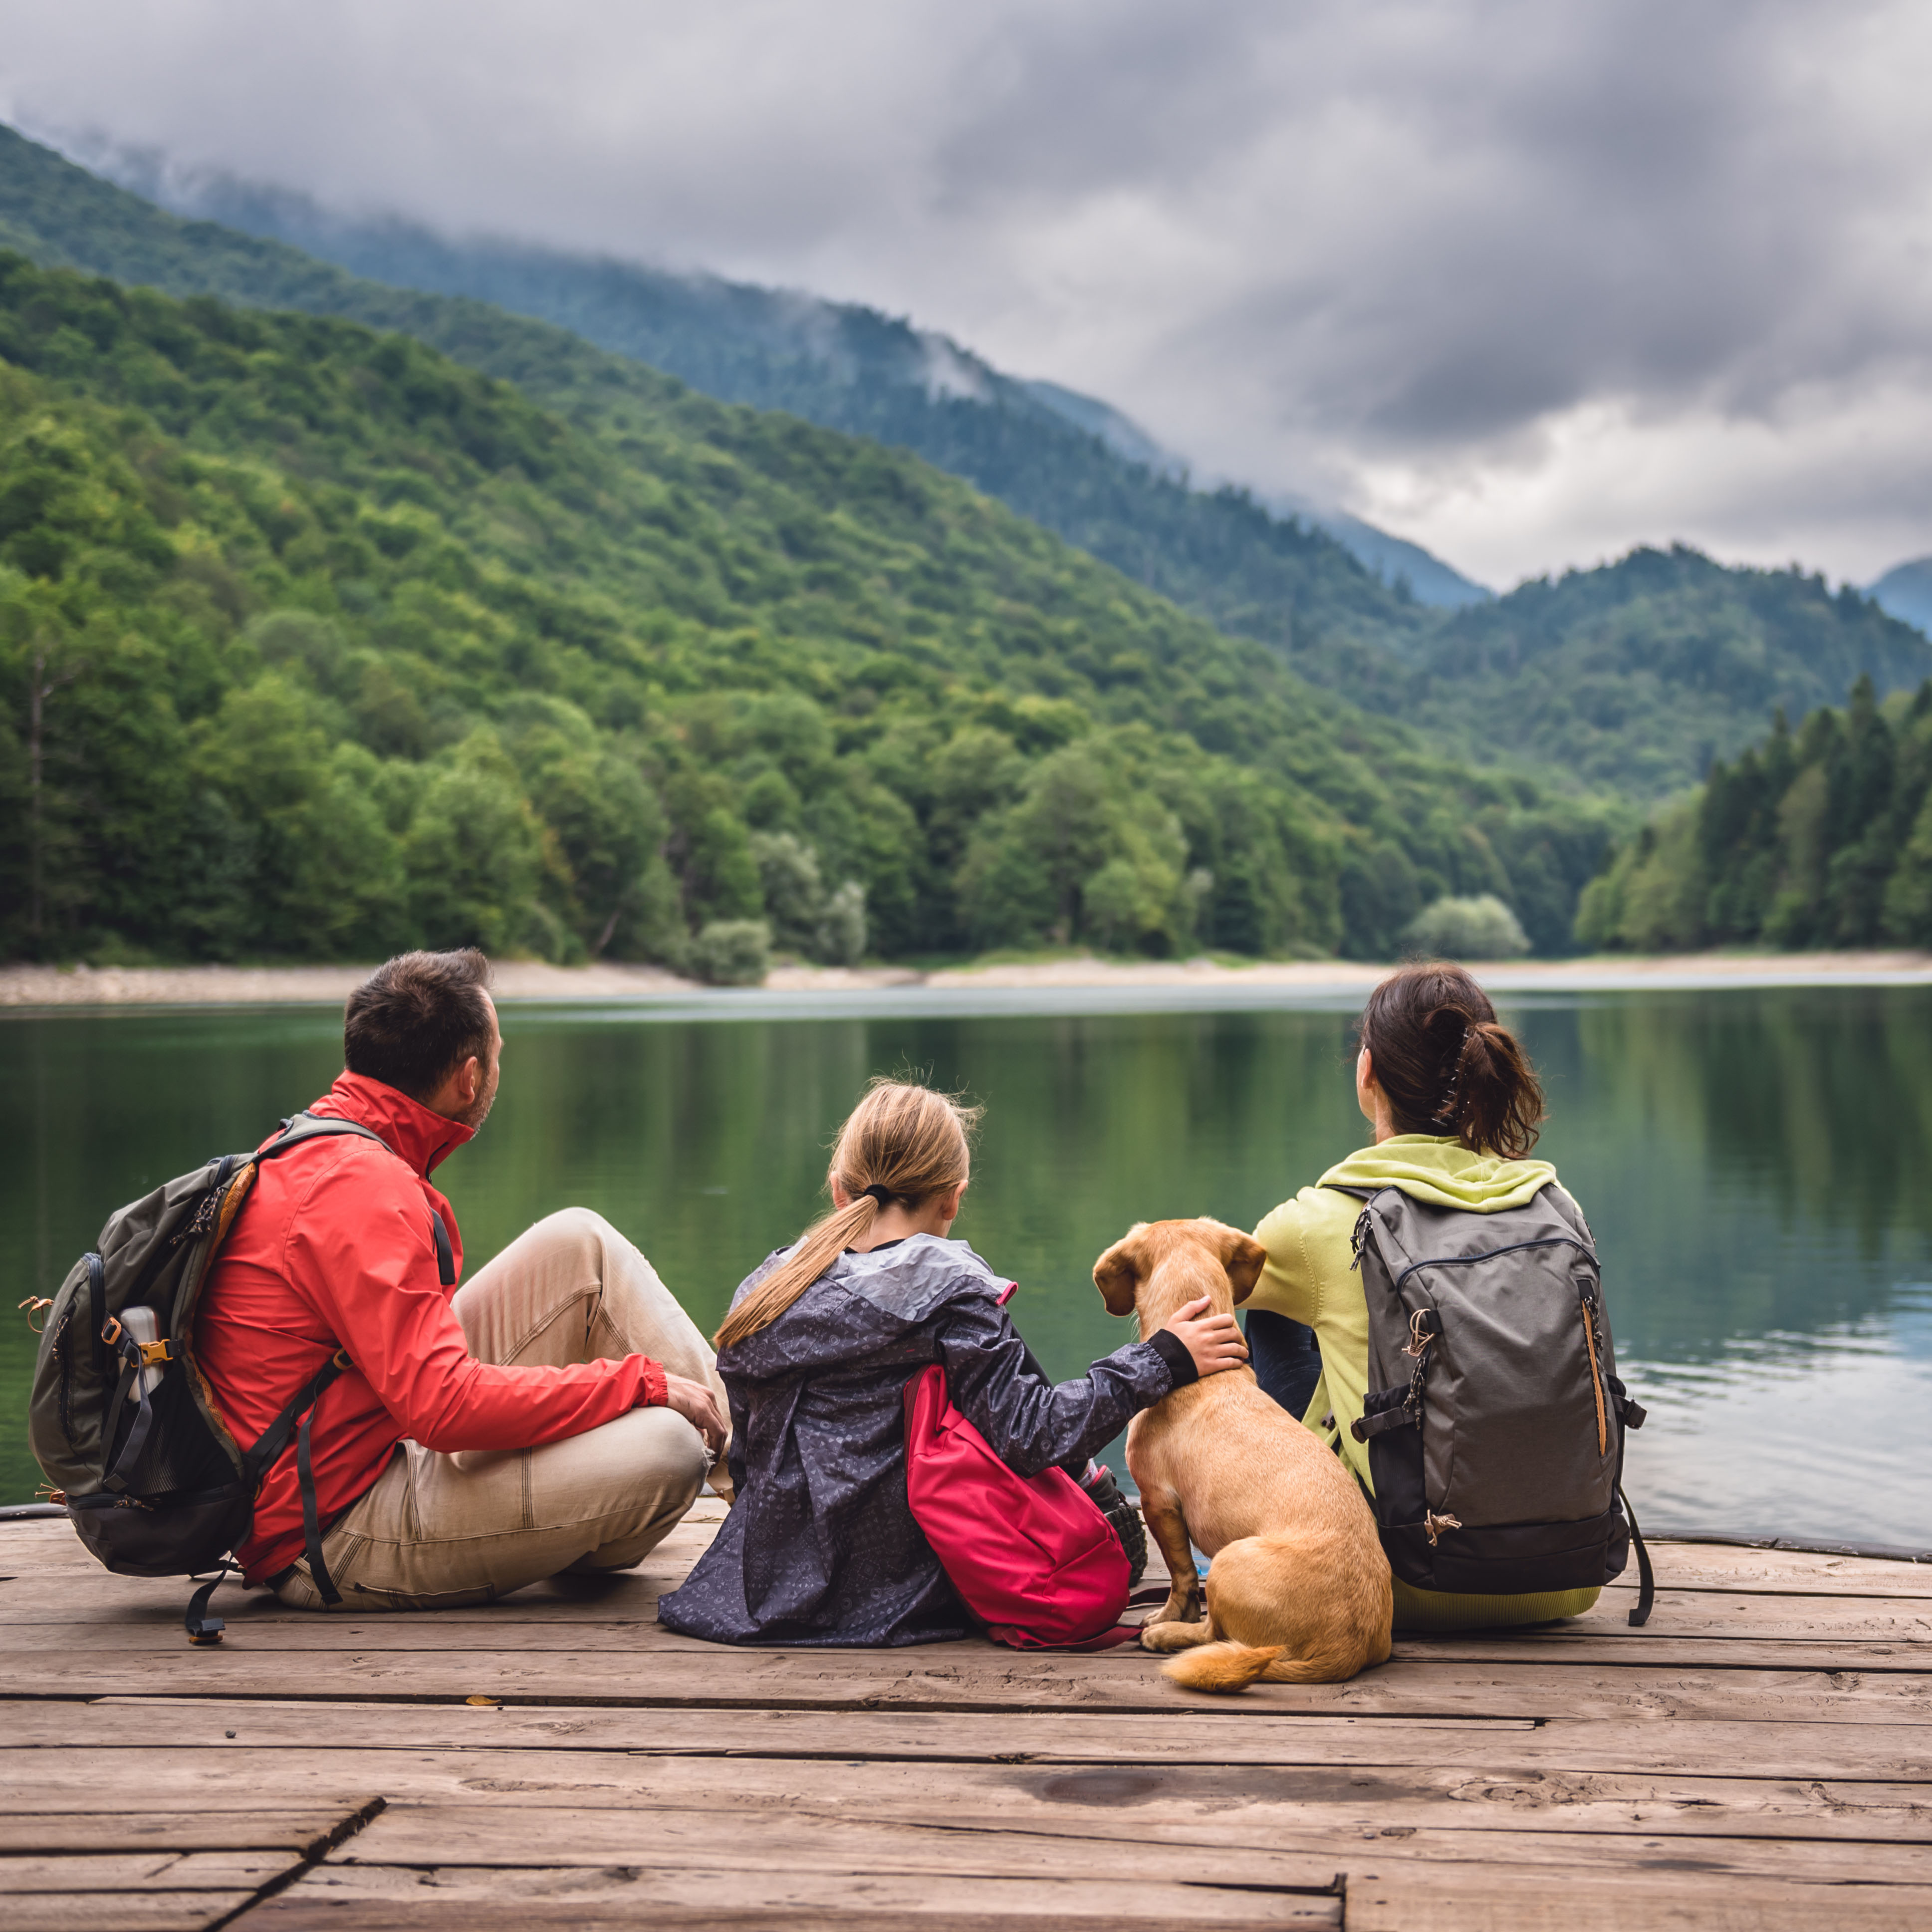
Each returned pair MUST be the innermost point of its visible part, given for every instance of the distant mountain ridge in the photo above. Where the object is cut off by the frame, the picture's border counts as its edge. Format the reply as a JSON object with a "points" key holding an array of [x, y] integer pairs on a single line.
{"points": [[840, 364], [1905, 592], [1634, 677]]}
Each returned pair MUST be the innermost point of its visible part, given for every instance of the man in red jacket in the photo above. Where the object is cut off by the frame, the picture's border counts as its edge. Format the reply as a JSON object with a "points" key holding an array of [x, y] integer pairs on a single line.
{"points": [[559, 1411]]}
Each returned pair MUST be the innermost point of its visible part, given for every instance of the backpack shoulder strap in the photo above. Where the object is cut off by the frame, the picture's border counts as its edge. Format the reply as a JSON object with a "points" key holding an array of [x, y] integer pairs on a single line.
{"points": [[306, 1126]]}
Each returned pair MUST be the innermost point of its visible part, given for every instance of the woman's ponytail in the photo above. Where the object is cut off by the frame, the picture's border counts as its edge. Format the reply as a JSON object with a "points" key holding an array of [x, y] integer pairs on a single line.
{"points": [[902, 1144], [1446, 1064]]}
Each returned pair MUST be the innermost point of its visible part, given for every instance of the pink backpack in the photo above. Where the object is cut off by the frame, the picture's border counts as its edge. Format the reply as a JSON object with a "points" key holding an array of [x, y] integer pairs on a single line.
{"points": [[1031, 1556]]}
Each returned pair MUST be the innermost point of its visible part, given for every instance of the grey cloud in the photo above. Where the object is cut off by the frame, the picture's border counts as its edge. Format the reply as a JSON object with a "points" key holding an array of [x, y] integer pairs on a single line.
{"points": [[1302, 243]]}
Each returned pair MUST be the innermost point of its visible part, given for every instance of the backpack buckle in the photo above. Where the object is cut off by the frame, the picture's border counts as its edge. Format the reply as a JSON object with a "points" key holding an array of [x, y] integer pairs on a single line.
{"points": [[153, 1355]]}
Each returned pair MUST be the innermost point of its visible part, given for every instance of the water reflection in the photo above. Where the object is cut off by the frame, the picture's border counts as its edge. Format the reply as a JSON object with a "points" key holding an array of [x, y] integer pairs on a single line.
{"points": [[1749, 1161]]}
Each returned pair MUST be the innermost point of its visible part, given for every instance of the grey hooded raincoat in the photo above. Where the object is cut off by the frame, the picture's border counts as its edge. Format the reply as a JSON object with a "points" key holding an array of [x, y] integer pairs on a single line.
{"points": [[821, 1546]]}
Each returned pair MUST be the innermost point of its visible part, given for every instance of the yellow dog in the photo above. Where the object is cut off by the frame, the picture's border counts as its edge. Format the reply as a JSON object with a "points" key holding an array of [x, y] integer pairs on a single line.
{"points": [[1298, 1589]]}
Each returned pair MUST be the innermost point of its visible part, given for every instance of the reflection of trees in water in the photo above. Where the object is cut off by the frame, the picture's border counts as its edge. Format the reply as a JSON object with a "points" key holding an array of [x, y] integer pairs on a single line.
{"points": [[1751, 1160]]}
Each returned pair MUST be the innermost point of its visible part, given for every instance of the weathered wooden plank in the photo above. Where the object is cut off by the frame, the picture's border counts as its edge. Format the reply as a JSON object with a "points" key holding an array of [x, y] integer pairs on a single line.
{"points": [[149, 1800], [1408, 1686], [121, 1911], [700, 1677], [1717, 1566], [1897, 1754], [25, 1872], [1413, 1896], [1229, 1851], [219, 1871], [1890, 1754], [1106, 1800], [337, 1898]]}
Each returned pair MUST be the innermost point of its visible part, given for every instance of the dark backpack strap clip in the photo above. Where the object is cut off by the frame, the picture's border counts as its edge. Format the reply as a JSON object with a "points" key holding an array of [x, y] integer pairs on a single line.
{"points": [[202, 1628]]}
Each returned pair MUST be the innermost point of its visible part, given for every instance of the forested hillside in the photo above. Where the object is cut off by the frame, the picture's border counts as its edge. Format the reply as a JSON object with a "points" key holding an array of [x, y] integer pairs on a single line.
{"points": [[839, 365], [1629, 679], [317, 642], [1635, 676], [1281, 580], [1821, 836]]}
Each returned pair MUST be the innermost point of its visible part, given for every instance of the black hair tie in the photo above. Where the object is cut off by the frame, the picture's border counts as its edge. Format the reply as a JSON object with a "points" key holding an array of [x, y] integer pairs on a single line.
{"points": [[883, 1195]]}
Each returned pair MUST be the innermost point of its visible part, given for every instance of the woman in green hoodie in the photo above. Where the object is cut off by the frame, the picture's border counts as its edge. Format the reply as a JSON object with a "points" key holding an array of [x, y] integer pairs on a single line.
{"points": [[1455, 1106]]}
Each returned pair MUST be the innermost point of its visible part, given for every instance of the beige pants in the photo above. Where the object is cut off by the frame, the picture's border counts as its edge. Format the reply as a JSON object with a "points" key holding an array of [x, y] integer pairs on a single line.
{"points": [[436, 1531]]}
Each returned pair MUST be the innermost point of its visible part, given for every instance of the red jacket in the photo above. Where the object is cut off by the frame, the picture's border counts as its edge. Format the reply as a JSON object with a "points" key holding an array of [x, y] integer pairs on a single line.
{"points": [[334, 1249]]}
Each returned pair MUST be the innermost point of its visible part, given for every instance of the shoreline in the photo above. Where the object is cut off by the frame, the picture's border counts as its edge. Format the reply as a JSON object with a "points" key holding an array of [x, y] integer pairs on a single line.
{"points": [[25, 989]]}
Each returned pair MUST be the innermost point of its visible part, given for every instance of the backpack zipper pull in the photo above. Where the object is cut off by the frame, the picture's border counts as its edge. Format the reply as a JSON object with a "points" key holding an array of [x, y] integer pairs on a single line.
{"points": [[1593, 1341]]}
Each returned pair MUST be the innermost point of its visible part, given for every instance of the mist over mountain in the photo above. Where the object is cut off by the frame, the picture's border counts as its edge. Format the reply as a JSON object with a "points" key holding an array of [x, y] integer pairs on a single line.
{"points": [[840, 364]]}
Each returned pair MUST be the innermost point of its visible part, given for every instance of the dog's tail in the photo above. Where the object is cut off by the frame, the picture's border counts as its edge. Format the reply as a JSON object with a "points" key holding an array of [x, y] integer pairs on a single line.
{"points": [[1234, 1666], [1224, 1666]]}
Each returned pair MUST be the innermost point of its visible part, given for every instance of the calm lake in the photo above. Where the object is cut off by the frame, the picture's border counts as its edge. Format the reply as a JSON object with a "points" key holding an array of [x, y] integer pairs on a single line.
{"points": [[1754, 1163]]}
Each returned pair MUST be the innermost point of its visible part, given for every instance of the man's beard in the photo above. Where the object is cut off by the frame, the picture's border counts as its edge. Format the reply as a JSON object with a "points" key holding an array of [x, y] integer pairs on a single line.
{"points": [[478, 1112]]}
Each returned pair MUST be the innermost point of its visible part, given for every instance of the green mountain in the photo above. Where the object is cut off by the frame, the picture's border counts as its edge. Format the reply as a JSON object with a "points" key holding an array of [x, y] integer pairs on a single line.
{"points": [[1628, 679], [1633, 677], [1222, 553], [1818, 837], [317, 642]]}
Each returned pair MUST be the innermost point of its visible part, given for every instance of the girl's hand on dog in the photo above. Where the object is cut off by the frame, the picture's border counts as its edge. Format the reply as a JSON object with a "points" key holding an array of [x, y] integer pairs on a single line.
{"points": [[1214, 1341]]}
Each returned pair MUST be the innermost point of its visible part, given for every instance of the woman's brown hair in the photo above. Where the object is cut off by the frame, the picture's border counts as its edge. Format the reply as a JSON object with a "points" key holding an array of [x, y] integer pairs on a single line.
{"points": [[1447, 1065], [904, 1144]]}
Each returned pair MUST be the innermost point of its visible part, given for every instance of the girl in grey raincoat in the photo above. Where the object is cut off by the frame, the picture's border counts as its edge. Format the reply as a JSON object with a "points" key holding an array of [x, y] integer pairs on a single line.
{"points": [[821, 1546]]}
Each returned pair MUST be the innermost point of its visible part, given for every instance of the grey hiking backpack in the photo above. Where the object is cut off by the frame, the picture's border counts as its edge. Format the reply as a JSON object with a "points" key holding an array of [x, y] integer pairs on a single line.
{"points": [[121, 1420], [1494, 1417]]}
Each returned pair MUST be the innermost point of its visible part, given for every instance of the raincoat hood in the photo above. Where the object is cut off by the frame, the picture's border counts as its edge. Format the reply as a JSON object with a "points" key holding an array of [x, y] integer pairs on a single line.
{"points": [[1441, 1172], [863, 1306]]}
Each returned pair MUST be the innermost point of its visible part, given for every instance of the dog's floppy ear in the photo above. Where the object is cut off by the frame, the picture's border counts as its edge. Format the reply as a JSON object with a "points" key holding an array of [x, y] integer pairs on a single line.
{"points": [[1241, 1254], [1117, 1274]]}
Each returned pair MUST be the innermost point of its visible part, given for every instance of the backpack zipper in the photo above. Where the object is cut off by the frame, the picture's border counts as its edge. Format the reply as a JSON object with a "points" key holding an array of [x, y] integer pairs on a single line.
{"points": [[1589, 1308], [64, 1348]]}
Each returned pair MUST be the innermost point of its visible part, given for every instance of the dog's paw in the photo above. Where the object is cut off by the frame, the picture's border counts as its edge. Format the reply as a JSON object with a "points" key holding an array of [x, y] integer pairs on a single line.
{"points": [[1174, 1635]]}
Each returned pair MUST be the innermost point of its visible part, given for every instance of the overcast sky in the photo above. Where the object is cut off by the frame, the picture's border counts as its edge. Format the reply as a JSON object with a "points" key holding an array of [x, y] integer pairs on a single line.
{"points": [[1527, 280]]}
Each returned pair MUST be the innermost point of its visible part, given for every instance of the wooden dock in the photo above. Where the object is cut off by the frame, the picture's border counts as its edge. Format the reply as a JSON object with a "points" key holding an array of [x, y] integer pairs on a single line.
{"points": [[1760, 1757]]}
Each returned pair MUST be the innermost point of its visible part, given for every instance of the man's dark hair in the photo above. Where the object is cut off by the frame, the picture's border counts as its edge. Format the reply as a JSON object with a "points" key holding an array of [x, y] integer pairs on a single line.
{"points": [[417, 1019]]}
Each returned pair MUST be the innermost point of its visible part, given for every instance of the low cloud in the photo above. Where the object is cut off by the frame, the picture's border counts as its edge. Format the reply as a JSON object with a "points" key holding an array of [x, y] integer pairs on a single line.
{"points": [[1527, 282]]}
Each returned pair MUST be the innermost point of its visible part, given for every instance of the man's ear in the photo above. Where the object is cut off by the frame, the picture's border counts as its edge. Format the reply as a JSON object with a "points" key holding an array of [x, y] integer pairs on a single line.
{"points": [[1241, 1254], [1117, 1274]]}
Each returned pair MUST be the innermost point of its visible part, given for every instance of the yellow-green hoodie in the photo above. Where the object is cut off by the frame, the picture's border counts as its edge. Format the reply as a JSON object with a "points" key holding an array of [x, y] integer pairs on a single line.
{"points": [[1309, 1278]]}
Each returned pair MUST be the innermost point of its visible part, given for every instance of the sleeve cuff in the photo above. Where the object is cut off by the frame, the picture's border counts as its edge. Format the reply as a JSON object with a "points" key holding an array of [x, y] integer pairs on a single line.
{"points": [[654, 1394], [1173, 1350]]}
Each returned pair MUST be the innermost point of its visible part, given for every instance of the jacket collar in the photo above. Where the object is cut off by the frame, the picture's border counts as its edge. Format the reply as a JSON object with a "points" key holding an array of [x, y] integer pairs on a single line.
{"points": [[422, 1138]]}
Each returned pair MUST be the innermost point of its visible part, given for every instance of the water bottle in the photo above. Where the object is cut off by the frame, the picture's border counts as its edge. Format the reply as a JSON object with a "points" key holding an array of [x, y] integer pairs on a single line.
{"points": [[143, 1324]]}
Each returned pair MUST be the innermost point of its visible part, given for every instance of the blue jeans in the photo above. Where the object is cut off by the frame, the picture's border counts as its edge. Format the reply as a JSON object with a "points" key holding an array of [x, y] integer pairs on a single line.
{"points": [[1285, 1358]]}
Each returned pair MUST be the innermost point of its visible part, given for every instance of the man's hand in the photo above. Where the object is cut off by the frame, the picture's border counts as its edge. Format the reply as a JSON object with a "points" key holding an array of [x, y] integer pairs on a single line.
{"points": [[1214, 1341], [699, 1407]]}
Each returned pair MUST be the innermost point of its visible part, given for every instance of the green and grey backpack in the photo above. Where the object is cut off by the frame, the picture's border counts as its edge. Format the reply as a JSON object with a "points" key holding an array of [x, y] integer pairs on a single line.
{"points": [[121, 1420], [1494, 1417]]}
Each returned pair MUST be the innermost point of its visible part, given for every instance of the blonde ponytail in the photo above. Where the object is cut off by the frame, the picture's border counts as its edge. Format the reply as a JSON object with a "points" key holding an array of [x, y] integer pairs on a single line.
{"points": [[901, 1143]]}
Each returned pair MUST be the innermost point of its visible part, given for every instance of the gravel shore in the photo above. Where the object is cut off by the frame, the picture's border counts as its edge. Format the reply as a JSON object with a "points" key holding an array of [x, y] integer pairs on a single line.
{"points": [[50, 986]]}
